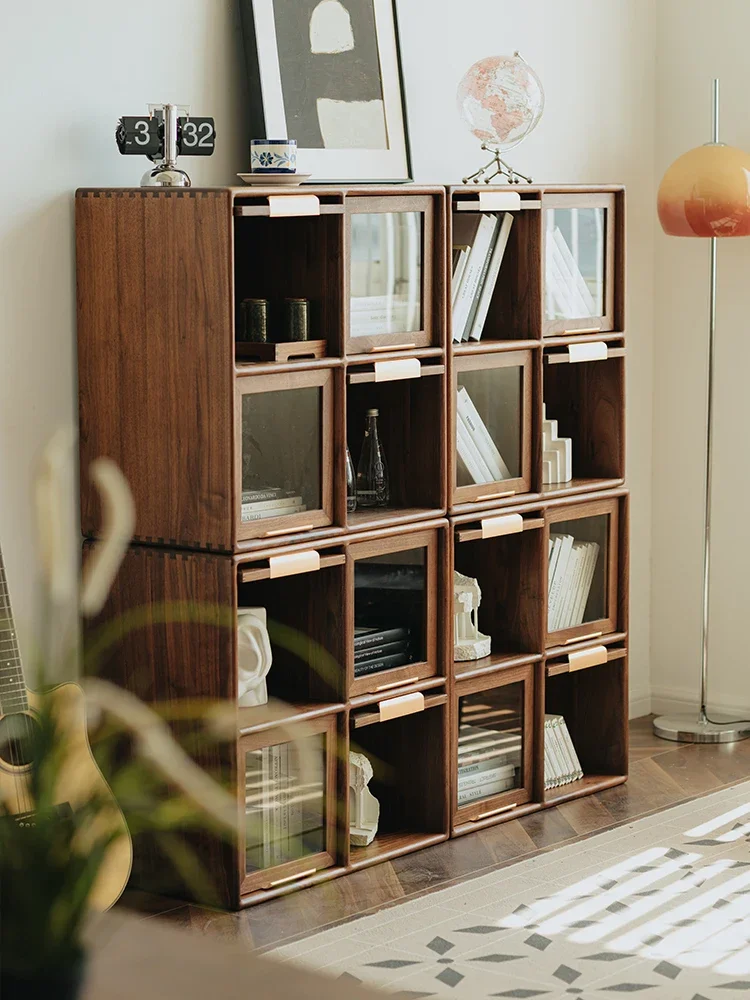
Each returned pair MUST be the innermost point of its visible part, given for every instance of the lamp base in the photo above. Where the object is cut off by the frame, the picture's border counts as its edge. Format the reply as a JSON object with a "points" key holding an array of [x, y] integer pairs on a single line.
{"points": [[697, 729]]}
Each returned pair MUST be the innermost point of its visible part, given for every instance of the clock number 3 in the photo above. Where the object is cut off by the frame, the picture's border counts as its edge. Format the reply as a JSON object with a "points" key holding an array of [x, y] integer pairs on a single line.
{"points": [[142, 136]]}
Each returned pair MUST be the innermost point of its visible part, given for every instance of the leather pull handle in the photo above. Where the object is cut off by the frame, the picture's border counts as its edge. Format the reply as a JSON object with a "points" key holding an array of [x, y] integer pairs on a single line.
{"points": [[390, 371], [595, 350], [407, 704], [292, 563], [288, 205], [507, 524], [584, 658]]}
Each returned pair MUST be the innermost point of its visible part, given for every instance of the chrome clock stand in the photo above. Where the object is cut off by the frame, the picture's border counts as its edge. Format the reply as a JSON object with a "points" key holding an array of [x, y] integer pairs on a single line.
{"points": [[691, 728], [497, 167], [166, 173]]}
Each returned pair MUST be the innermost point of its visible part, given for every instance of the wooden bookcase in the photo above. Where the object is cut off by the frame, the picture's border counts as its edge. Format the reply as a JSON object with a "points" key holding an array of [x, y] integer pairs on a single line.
{"points": [[195, 416]]}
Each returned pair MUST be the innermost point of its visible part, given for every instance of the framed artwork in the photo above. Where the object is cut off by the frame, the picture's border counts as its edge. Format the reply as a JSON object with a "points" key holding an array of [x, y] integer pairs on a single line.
{"points": [[328, 74]]}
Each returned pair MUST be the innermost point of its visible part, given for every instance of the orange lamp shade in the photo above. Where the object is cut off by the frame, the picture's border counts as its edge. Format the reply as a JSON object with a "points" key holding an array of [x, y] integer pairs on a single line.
{"points": [[706, 192]]}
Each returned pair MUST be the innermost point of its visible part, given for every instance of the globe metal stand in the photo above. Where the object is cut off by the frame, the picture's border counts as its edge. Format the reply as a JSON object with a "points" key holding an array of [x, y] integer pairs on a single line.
{"points": [[502, 169]]}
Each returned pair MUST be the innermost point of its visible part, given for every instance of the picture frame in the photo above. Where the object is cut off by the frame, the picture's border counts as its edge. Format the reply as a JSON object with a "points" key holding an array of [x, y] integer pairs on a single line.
{"points": [[327, 73]]}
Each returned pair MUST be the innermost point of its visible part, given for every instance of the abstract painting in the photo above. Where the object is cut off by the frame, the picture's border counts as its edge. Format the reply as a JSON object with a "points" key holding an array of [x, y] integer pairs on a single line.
{"points": [[327, 73]]}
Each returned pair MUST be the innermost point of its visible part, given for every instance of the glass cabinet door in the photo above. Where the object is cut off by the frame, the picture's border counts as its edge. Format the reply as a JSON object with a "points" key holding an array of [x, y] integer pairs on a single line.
{"points": [[289, 785], [390, 256], [395, 592], [285, 453], [582, 571], [494, 753], [492, 425], [579, 271]]}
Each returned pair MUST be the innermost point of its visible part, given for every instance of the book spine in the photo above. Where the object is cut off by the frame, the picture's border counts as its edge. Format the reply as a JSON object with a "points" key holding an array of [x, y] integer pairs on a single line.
{"points": [[488, 288], [469, 453], [557, 583], [565, 766], [261, 515], [481, 436], [458, 272], [471, 275], [583, 298], [572, 578], [551, 744], [279, 504], [380, 638], [575, 760], [468, 326], [257, 496], [467, 781], [594, 551], [375, 666], [378, 652], [266, 805], [485, 791]]}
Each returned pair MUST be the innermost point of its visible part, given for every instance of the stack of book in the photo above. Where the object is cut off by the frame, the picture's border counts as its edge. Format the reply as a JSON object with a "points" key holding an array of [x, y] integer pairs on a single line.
{"points": [[374, 314], [572, 566], [568, 295], [285, 813], [557, 460], [378, 649], [271, 502], [477, 453], [489, 762], [561, 763], [479, 242]]}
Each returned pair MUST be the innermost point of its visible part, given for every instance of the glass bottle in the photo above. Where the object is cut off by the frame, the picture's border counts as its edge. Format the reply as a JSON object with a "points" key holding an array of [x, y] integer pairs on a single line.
{"points": [[372, 471], [351, 484]]}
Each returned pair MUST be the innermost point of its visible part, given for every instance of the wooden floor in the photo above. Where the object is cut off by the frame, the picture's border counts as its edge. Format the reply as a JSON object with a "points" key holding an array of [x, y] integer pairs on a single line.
{"points": [[661, 774]]}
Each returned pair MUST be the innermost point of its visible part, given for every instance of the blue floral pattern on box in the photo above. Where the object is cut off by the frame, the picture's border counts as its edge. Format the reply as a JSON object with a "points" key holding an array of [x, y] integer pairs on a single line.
{"points": [[273, 156]]}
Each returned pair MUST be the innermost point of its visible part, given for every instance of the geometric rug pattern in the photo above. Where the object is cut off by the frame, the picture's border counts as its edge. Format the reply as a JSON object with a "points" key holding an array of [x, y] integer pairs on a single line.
{"points": [[658, 909]]}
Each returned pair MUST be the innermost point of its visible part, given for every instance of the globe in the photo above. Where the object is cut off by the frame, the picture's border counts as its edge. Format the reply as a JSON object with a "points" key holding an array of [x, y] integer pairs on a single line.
{"points": [[501, 99]]}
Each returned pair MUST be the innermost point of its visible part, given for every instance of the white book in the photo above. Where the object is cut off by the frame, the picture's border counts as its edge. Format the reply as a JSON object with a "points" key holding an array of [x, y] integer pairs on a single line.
{"points": [[488, 289], [477, 255], [251, 506], [562, 264], [467, 770], [469, 325], [554, 778], [571, 584], [469, 453], [562, 305], [548, 775], [458, 271], [481, 436], [555, 545], [571, 756], [566, 766], [582, 293], [276, 792], [266, 805], [557, 581], [577, 769], [586, 582], [261, 515], [485, 791], [467, 781]]}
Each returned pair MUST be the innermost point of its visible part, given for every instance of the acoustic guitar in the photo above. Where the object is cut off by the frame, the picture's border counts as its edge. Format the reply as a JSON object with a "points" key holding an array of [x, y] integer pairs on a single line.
{"points": [[80, 776]]}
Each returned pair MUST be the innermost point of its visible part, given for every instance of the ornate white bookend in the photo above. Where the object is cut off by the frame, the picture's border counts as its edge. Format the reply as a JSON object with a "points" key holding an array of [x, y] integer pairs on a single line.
{"points": [[557, 465], [470, 643], [254, 656], [364, 808]]}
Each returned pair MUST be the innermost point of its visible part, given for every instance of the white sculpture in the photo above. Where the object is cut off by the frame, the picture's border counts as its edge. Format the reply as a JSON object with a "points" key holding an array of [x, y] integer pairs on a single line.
{"points": [[469, 642], [254, 656], [364, 808]]}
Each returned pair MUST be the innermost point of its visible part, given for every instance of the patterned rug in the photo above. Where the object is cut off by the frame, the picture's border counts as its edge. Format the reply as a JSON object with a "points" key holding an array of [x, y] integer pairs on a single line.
{"points": [[658, 909]]}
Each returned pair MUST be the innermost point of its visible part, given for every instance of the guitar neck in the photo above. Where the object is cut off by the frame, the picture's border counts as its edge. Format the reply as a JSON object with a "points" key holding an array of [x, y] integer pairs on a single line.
{"points": [[13, 697]]}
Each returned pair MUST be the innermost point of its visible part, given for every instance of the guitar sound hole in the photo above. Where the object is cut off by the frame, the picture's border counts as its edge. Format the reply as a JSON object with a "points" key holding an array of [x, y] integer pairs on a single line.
{"points": [[17, 737]]}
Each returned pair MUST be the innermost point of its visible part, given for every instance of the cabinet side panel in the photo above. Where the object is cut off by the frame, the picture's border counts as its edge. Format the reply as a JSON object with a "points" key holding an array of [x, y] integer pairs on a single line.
{"points": [[155, 358], [166, 635]]}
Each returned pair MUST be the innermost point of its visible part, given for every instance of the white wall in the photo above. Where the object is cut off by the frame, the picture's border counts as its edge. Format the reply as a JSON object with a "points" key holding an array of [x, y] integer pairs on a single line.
{"points": [[693, 48], [63, 70]]}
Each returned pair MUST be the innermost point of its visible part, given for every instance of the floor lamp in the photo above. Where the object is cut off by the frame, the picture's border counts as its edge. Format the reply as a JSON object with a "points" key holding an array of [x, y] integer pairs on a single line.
{"points": [[706, 193]]}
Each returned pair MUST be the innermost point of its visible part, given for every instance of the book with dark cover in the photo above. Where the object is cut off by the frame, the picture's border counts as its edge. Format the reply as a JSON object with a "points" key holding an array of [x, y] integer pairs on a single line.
{"points": [[366, 638], [378, 652], [385, 663]]}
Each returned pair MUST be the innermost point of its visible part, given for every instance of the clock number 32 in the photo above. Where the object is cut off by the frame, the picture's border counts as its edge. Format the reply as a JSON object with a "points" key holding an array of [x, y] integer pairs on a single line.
{"points": [[200, 136]]}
